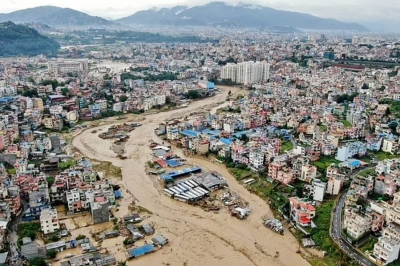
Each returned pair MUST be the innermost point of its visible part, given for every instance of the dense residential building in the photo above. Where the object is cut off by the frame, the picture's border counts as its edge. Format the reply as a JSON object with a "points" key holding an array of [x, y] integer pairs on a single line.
{"points": [[49, 221], [301, 212]]}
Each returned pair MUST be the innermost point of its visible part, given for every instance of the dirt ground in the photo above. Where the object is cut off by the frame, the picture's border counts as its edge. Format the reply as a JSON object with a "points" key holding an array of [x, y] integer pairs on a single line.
{"points": [[196, 237]]}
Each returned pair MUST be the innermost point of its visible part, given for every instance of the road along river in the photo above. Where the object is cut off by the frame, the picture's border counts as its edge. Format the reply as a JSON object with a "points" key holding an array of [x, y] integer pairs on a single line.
{"points": [[196, 237]]}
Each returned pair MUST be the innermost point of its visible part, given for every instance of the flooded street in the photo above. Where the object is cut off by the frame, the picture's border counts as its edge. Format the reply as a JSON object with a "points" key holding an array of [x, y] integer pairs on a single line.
{"points": [[196, 237]]}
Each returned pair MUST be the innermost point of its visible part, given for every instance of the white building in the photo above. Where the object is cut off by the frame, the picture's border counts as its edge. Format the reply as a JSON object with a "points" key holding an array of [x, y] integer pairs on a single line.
{"points": [[246, 72], [299, 150], [386, 250], [55, 109], [73, 200], [72, 66], [49, 221], [319, 189], [229, 72], [256, 159], [117, 107], [351, 149]]}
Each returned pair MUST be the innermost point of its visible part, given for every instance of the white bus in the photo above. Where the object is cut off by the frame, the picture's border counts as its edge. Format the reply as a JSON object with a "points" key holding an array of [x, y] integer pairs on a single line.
{"points": [[169, 193], [181, 198], [188, 184], [205, 191], [182, 188], [185, 186], [248, 182], [174, 189], [193, 182], [198, 194], [199, 191]]}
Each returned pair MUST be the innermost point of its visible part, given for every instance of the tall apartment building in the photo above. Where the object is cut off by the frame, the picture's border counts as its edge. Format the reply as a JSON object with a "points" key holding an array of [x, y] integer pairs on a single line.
{"points": [[229, 71], [68, 66], [246, 72]]}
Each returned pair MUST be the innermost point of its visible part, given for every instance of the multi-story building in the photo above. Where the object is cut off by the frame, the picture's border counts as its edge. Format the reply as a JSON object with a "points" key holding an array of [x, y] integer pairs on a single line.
{"points": [[301, 212], [357, 224], [335, 180], [229, 71], [75, 66], [73, 197], [319, 189], [246, 72], [100, 212], [256, 159], [386, 250], [351, 149], [49, 221], [308, 173]]}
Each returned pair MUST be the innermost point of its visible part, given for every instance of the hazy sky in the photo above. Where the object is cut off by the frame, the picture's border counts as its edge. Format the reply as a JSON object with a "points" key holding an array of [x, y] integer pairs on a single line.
{"points": [[346, 10]]}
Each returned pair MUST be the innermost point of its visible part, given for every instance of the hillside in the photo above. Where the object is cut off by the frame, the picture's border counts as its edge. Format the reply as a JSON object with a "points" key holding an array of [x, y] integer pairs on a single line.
{"points": [[218, 13], [18, 40], [55, 17]]}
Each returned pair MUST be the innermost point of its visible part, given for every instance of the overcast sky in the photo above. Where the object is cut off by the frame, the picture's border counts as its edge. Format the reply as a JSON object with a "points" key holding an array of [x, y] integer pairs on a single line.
{"points": [[346, 10]]}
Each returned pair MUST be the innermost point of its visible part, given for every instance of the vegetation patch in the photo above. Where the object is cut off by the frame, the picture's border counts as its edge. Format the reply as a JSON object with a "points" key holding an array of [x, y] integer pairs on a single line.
{"points": [[287, 146], [108, 169]]}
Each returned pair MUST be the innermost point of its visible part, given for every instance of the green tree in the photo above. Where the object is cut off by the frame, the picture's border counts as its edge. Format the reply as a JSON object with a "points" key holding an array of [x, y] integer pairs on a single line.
{"points": [[65, 92], [193, 94], [52, 82], [51, 254], [123, 98], [37, 261], [365, 86]]}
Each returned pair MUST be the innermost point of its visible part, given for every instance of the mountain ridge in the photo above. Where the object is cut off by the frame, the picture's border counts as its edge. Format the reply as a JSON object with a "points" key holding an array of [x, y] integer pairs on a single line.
{"points": [[54, 17], [18, 40], [254, 16]]}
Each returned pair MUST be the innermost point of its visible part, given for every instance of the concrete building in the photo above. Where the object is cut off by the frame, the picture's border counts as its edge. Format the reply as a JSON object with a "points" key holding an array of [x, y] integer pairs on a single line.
{"points": [[99, 208], [386, 250], [351, 149], [301, 212], [356, 224], [68, 66], [335, 180], [319, 189], [229, 71], [73, 200], [49, 221], [246, 72]]}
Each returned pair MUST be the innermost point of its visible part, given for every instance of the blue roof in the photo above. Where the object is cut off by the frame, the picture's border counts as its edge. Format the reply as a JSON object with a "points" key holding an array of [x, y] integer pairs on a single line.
{"points": [[169, 176], [140, 251], [6, 99], [174, 131], [190, 133], [225, 141], [239, 134], [118, 193]]}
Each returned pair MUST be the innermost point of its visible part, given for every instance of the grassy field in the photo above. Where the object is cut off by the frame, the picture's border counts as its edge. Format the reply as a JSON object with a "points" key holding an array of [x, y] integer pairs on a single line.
{"points": [[346, 123], [240, 173], [380, 156], [287, 146], [324, 162], [367, 172], [323, 128]]}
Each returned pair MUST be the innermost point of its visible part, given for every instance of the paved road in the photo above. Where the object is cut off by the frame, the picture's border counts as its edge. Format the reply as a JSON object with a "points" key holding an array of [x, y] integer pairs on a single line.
{"points": [[337, 228]]}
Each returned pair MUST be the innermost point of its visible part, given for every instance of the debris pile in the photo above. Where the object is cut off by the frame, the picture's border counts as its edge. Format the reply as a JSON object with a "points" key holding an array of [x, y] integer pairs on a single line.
{"points": [[275, 225]]}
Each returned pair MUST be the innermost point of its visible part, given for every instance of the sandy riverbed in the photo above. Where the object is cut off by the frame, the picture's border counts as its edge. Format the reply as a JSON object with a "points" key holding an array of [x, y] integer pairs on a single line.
{"points": [[196, 237]]}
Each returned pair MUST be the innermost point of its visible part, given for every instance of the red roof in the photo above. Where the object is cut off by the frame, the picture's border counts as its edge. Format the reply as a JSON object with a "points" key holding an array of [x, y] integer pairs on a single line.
{"points": [[305, 220]]}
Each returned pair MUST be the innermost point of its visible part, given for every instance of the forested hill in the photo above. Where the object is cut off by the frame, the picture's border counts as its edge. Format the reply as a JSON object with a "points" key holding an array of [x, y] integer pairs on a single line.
{"points": [[18, 40]]}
